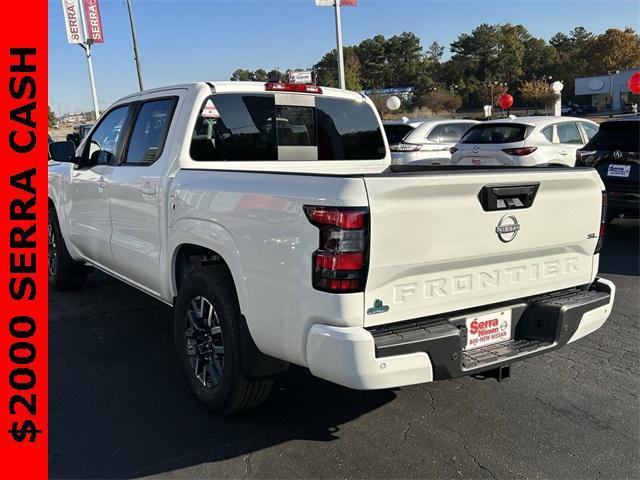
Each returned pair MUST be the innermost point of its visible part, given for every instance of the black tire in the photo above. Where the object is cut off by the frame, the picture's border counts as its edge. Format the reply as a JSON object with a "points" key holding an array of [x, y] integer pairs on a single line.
{"points": [[221, 386], [64, 272]]}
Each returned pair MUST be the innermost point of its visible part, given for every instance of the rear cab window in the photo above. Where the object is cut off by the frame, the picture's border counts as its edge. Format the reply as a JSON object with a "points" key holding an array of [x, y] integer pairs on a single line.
{"points": [[254, 126], [496, 133]]}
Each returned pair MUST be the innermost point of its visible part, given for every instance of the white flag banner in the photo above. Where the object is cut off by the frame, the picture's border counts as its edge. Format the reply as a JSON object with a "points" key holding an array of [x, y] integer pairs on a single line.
{"points": [[71, 12]]}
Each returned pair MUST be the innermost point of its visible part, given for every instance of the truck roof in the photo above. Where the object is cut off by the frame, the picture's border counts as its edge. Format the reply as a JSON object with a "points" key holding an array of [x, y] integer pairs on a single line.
{"points": [[239, 87]]}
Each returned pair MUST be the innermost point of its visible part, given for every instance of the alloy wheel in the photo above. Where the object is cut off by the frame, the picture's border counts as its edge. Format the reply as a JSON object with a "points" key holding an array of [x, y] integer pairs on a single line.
{"points": [[205, 346], [52, 251]]}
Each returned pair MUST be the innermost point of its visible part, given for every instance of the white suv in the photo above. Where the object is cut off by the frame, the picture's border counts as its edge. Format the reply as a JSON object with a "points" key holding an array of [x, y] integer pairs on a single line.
{"points": [[424, 141], [524, 141]]}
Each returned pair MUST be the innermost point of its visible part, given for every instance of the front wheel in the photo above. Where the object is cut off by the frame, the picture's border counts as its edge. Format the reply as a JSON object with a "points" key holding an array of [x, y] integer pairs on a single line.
{"points": [[207, 334]]}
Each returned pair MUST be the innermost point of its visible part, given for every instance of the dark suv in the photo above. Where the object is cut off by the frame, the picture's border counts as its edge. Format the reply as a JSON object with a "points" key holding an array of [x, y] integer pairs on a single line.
{"points": [[615, 152]]}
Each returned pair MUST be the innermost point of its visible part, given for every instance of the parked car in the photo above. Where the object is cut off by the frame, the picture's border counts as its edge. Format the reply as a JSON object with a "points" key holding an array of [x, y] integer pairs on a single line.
{"points": [[615, 152], [297, 241], [79, 132], [524, 141], [424, 141]]}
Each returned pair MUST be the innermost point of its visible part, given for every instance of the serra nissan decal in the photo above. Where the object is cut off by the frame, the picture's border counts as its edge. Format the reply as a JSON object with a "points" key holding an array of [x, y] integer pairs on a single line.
{"points": [[484, 328], [93, 21]]}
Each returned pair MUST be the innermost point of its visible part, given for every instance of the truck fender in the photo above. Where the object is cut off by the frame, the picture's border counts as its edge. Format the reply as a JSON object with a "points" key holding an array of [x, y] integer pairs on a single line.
{"points": [[214, 237]]}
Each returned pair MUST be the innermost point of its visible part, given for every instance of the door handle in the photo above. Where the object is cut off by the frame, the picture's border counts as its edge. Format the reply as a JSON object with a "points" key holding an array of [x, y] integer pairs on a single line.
{"points": [[562, 152], [148, 190]]}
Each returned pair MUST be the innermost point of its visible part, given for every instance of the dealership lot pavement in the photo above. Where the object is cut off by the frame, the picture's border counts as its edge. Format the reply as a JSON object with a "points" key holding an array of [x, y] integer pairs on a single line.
{"points": [[118, 407]]}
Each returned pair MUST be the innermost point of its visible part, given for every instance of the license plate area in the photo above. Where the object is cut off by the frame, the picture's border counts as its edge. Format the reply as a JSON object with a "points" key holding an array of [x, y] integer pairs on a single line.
{"points": [[488, 328]]}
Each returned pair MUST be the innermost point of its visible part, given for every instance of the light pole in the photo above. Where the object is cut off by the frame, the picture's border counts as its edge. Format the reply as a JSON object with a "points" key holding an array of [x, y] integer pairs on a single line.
{"points": [[341, 82], [136, 55], [490, 85], [611, 73], [453, 94]]}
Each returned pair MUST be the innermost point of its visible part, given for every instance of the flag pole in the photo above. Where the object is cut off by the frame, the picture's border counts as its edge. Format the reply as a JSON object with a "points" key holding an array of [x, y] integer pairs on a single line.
{"points": [[86, 45]]}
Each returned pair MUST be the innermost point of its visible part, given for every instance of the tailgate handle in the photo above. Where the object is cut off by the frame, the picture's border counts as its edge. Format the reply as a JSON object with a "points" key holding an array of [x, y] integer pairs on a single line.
{"points": [[507, 197]]}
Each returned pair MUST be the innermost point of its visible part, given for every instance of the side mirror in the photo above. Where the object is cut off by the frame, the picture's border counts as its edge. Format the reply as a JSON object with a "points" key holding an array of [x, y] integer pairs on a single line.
{"points": [[63, 152]]}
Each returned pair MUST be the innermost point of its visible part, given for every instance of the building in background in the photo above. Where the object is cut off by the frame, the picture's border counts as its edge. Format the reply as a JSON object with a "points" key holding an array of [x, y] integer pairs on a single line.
{"points": [[607, 87]]}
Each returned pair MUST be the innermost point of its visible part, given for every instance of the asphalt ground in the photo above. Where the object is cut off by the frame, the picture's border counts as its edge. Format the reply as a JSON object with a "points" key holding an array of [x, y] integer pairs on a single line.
{"points": [[119, 407]]}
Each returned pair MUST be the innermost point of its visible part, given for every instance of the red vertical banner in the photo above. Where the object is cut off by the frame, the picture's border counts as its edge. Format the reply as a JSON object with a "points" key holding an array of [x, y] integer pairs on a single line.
{"points": [[92, 20], [23, 241]]}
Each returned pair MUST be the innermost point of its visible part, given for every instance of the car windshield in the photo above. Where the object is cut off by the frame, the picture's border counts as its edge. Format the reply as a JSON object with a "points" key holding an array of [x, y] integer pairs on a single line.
{"points": [[495, 133], [617, 135], [396, 132], [247, 127]]}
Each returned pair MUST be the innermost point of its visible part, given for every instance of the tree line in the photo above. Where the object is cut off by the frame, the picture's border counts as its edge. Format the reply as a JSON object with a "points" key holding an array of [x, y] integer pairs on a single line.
{"points": [[482, 64]]}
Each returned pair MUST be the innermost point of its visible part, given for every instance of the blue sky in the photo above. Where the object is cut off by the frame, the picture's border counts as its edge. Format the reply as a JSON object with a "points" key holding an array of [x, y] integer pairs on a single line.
{"points": [[184, 41]]}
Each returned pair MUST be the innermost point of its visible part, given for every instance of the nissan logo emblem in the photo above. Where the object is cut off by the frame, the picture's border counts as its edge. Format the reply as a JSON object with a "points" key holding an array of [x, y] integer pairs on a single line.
{"points": [[507, 228]]}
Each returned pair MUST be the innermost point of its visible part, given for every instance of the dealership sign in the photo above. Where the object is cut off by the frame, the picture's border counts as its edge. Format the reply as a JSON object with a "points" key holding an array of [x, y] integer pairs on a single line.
{"points": [[300, 77], [71, 11], [331, 3], [92, 21]]}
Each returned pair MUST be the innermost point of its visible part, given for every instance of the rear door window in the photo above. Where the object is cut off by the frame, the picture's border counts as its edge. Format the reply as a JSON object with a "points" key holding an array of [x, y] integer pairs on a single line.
{"points": [[548, 133], [237, 127], [397, 133], [617, 135], [150, 131], [435, 135], [568, 133], [589, 129], [496, 133], [452, 132]]}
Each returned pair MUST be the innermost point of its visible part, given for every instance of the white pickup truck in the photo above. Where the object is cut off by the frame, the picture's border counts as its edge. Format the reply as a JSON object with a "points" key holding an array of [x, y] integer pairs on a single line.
{"points": [[270, 217]]}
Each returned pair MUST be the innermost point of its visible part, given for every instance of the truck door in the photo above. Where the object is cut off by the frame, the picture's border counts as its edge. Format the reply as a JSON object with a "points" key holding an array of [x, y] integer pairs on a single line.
{"points": [[135, 188], [87, 199]]}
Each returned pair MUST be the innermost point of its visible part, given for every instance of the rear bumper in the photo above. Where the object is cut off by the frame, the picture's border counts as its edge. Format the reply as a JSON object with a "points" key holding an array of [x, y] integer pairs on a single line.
{"points": [[432, 348]]}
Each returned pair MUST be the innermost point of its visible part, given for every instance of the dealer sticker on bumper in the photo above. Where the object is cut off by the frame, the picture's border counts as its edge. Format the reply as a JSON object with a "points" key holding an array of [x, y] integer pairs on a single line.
{"points": [[618, 170], [487, 329]]}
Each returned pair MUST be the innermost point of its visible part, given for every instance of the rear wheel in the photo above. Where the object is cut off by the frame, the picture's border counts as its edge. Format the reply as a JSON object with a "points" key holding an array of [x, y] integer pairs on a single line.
{"points": [[207, 334], [64, 272]]}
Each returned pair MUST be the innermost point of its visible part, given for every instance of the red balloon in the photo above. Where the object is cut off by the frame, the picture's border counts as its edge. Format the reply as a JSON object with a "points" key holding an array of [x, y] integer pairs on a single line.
{"points": [[634, 82], [505, 101]]}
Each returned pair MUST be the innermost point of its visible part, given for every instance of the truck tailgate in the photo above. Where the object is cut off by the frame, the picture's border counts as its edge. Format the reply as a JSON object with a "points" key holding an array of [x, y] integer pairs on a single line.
{"points": [[435, 248]]}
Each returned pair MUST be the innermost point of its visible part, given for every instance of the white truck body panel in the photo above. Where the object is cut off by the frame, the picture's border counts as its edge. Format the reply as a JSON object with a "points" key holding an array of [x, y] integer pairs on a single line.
{"points": [[432, 248]]}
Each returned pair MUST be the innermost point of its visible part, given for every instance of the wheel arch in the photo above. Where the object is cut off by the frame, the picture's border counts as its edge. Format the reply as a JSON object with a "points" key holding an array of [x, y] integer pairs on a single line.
{"points": [[189, 257], [195, 243]]}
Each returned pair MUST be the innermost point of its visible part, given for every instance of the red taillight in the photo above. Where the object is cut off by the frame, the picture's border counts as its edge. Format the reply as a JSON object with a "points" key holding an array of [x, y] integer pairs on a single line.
{"points": [[343, 218], [292, 87], [453, 150], [520, 152], [603, 223], [340, 262]]}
